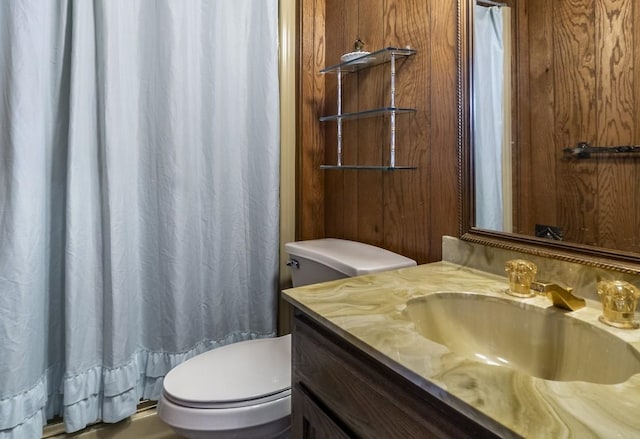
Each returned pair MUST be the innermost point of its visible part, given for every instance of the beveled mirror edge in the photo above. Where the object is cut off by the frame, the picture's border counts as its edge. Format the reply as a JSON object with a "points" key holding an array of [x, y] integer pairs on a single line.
{"points": [[607, 259]]}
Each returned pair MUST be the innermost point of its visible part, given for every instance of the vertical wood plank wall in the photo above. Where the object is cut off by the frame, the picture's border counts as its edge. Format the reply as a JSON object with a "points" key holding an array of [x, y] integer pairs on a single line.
{"points": [[579, 82], [406, 211]]}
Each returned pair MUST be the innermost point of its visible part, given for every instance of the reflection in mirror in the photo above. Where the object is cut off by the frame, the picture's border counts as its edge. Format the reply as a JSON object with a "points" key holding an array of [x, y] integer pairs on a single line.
{"points": [[554, 123], [492, 134]]}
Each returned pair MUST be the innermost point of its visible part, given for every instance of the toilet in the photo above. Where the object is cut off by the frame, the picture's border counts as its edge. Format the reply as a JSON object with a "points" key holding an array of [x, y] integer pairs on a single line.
{"points": [[243, 390]]}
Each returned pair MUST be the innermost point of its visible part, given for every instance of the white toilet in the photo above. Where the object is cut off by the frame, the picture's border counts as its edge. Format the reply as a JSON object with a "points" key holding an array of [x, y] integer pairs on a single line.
{"points": [[243, 390]]}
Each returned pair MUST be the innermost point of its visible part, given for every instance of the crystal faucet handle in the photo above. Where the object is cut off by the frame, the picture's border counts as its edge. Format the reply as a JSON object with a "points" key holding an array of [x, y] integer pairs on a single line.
{"points": [[619, 301], [520, 274]]}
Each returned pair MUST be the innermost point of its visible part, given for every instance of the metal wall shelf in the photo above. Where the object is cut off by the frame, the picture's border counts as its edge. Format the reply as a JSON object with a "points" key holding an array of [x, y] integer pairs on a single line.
{"points": [[367, 60]]}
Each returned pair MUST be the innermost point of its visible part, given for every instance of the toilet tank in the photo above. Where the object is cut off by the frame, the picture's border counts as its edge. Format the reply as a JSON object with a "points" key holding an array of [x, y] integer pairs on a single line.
{"points": [[321, 260]]}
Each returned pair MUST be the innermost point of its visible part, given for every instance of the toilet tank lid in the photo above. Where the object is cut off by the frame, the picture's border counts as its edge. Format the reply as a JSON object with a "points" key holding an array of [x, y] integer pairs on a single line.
{"points": [[349, 257]]}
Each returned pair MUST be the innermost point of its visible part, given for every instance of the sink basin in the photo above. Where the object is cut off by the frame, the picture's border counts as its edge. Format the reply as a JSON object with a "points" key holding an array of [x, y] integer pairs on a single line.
{"points": [[542, 342]]}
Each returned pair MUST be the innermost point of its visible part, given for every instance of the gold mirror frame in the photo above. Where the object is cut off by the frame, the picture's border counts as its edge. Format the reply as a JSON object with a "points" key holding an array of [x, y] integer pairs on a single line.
{"points": [[609, 259]]}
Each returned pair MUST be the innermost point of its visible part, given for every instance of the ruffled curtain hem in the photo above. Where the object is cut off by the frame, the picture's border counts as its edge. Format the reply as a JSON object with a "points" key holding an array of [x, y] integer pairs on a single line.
{"points": [[99, 393]]}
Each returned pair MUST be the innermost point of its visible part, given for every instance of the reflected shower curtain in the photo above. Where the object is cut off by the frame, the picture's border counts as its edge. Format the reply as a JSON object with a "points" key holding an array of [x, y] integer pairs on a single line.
{"points": [[488, 68], [138, 197]]}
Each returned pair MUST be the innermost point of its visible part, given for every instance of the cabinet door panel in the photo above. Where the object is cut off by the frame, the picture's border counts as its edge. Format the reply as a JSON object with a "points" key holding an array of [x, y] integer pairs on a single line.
{"points": [[315, 422]]}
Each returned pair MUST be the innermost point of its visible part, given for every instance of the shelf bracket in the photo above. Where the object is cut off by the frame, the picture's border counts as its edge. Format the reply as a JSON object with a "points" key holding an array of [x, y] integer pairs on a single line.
{"points": [[339, 120], [392, 117]]}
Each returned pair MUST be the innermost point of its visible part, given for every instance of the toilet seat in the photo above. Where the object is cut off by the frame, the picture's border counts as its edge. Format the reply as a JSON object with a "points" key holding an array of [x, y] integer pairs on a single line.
{"points": [[243, 387], [226, 405], [237, 375]]}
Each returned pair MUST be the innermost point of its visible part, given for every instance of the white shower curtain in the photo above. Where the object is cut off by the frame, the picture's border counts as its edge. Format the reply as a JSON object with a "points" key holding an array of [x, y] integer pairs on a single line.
{"points": [[138, 197], [488, 80]]}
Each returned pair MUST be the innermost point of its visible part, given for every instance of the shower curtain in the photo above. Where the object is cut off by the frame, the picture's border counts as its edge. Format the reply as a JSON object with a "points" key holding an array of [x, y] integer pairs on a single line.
{"points": [[138, 197], [488, 80]]}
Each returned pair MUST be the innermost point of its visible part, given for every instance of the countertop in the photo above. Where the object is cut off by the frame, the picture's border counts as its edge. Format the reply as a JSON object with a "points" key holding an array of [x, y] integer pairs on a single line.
{"points": [[368, 312]]}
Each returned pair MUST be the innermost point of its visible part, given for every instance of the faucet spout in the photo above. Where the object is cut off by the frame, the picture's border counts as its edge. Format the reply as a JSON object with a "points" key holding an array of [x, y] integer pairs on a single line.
{"points": [[560, 297]]}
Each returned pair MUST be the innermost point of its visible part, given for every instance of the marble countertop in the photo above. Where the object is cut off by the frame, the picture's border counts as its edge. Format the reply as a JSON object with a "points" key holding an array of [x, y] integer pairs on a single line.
{"points": [[368, 312]]}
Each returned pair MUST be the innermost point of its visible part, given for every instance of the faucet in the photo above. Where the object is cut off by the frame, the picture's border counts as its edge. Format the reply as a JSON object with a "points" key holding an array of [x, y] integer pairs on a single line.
{"points": [[561, 297]]}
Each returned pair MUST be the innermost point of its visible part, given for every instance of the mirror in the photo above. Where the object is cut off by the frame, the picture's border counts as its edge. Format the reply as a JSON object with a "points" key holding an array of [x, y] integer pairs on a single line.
{"points": [[560, 173]]}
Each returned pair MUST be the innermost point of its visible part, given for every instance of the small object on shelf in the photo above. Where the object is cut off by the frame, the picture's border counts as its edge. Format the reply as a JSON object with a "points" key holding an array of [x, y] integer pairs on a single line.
{"points": [[358, 45], [355, 57], [357, 53]]}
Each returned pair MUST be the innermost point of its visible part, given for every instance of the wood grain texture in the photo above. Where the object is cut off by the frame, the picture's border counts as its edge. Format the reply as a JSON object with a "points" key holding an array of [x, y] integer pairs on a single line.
{"points": [[636, 113], [579, 82], [311, 421], [405, 214], [334, 181], [362, 396], [442, 169], [614, 67], [575, 117], [310, 181], [537, 166], [405, 211], [371, 132]]}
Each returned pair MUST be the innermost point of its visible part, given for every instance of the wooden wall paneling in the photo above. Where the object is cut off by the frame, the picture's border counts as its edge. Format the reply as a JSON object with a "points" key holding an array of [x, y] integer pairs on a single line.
{"points": [[522, 150], [350, 207], [540, 158], [310, 180], [406, 214], [575, 116], [615, 124], [405, 211], [579, 75], [528, 48], [636, 118], [442, 172], [373, 137], [334, 185], [521, 153]]}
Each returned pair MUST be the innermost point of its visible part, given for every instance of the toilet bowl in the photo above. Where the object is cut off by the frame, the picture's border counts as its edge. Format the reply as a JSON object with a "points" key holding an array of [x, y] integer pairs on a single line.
{"points": [[243, 390]]}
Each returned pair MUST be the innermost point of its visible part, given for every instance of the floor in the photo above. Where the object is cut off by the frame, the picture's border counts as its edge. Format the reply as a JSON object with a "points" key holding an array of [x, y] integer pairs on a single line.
{"points": [[142, 425]]}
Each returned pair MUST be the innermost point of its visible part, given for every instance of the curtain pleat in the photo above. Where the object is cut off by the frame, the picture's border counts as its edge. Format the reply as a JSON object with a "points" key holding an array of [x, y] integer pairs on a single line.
{"points": [[139, 158]]}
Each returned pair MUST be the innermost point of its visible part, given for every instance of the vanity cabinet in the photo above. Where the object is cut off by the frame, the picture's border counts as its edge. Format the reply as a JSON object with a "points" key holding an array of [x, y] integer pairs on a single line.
{"points": [[339, 391], [389, 55]]}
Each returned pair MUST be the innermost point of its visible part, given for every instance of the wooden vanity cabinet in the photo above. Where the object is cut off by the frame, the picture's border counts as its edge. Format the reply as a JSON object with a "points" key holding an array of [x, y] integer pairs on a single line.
{"points": [[341, 392]]}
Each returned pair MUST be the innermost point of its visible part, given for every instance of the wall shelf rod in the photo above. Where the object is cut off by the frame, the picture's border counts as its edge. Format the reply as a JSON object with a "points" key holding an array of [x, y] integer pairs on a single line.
{"points": [[583, 150]]}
